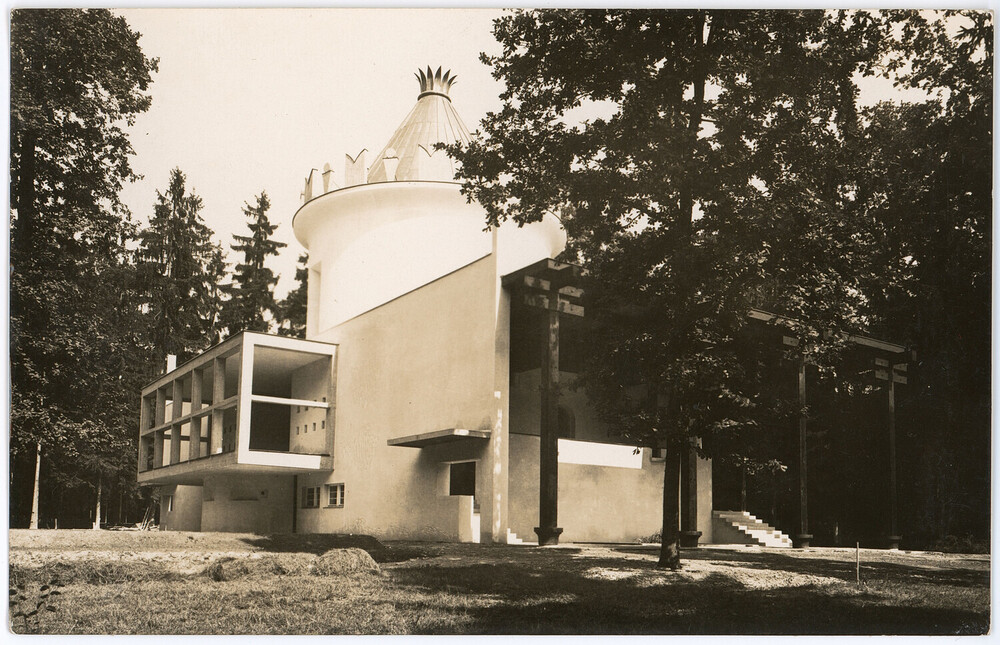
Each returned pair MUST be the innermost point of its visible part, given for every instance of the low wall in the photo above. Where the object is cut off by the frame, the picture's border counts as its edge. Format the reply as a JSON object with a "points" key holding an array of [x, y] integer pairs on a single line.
{"points": [[596, 503]]}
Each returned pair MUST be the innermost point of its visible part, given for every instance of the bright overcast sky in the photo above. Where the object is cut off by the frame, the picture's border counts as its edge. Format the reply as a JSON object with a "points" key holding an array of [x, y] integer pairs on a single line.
{"points": [[247, 100]]}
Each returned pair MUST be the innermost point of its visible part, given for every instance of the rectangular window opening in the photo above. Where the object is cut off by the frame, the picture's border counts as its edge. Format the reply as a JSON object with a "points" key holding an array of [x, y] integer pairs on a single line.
{"points": [[335, 495], [310, 497]]}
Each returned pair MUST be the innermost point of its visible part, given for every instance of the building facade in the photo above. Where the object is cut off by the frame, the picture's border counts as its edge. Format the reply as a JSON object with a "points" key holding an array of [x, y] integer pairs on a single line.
{"points": [[431, 399]]}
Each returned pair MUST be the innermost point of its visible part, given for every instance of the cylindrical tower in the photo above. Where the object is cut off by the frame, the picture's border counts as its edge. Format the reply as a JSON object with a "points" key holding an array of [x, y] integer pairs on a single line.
{"points": [[405, 222]]}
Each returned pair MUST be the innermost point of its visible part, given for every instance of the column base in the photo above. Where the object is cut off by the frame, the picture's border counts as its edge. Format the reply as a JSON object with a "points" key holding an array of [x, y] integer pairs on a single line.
{"points": [[801, 541], [548, 535], [689, 539], [893, 542]]}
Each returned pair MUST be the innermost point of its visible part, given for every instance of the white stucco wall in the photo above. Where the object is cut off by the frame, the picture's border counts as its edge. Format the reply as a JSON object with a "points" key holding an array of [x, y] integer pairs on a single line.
{"points": [[596, 503], [307, 427], [257, 503], [420, 363], [186, 513]]}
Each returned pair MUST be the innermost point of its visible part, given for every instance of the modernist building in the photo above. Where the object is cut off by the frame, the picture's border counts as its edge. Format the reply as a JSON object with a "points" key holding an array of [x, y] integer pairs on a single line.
{"points": [[425, 403]]}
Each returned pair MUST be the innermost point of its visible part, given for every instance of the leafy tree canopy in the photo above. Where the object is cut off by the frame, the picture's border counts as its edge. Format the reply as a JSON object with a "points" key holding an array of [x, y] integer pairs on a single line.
{"points": [[710, 180]]}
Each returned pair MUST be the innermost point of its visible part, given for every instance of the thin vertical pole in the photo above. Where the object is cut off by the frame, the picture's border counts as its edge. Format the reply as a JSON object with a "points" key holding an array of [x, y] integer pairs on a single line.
{"points": [[548, 451], [803, 538], [893, 517]]}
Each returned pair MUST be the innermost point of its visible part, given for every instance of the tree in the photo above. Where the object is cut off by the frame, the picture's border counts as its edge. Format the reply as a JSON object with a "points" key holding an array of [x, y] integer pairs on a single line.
{"points": [[928, 195], [293, 307], [179, 267], [77, 78], [713, 181], [251, 295]]}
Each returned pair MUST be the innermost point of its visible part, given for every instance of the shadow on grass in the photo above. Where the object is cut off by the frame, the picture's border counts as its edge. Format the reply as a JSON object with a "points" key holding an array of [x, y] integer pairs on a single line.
{"points": [[519, 598], [317, 544], [817, 565]]}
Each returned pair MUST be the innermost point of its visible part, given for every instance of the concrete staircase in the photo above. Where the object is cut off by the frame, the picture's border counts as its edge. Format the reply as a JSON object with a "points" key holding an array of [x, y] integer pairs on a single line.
{"points": [[740, 527], [512, 538]]}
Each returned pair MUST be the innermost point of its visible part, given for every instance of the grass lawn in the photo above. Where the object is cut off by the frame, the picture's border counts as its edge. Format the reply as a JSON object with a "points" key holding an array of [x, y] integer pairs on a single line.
{"points": [[155, 583]]}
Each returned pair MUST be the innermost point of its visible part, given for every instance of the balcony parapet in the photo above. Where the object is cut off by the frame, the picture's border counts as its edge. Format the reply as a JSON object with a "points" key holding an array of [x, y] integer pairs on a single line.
{"points": [[253, 401]]}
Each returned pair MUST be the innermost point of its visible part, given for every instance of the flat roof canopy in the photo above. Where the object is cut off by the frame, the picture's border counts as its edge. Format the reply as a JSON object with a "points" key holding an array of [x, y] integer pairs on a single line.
{"points": [[438, 436]]}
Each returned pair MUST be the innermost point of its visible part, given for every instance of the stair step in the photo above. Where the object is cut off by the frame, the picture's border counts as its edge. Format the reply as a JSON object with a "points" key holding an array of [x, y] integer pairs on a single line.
{"points": [[755, 530]]}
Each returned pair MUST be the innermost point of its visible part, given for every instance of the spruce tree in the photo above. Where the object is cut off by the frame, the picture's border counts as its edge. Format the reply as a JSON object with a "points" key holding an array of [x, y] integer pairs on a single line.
{"points": [[293, 307], [175, 254], [251, 293]]}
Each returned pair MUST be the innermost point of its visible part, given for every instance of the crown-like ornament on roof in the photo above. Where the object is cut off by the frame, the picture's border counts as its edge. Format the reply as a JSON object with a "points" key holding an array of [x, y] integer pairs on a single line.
{"points": [[433, 82]]}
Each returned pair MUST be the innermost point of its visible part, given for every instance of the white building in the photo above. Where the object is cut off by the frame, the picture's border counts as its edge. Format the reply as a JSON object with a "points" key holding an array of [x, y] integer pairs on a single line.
{"points": [[413, 410]]}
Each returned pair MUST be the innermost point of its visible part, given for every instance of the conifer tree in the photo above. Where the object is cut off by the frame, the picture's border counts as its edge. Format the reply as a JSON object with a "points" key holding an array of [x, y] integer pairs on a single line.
{"points": [[251, 305], [293, 307], [175, 255]]}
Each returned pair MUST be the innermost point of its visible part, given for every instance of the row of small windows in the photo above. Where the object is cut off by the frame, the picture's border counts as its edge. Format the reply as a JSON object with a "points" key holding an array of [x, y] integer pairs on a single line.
{"points": [[301, 408], [334, 496], [305, 428]]}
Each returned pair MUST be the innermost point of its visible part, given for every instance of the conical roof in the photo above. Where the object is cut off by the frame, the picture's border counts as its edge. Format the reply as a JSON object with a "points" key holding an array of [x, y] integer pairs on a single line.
{"points": [[410, 153]]}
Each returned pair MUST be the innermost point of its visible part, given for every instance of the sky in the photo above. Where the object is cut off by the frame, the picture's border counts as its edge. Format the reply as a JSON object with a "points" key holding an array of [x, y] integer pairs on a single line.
{"points": [[247, 100]]}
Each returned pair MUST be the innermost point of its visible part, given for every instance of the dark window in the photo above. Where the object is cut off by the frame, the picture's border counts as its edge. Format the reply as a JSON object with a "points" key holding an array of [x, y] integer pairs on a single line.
{"points": [[463, 479], [567, 424], [310, 497]]}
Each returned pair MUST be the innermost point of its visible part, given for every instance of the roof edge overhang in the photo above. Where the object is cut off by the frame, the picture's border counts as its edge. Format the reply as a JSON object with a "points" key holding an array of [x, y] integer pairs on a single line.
{"points": [[438, 436]]}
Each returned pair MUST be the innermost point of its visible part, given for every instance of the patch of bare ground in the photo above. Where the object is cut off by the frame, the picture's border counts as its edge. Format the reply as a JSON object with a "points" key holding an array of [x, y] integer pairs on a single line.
{"points": [[463, 588]]}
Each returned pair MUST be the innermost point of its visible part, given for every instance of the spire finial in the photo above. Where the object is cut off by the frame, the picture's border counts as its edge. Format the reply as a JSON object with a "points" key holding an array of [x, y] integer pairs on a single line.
{"points": [[432, 82]]}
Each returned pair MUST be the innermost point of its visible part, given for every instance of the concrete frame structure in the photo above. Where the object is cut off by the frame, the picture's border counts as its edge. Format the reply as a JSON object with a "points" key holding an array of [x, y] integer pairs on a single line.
{"points": [[430, 401]]}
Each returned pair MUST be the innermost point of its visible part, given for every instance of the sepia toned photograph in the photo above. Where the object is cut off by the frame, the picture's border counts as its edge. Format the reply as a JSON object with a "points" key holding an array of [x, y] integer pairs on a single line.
{"points": [[500, 322]]}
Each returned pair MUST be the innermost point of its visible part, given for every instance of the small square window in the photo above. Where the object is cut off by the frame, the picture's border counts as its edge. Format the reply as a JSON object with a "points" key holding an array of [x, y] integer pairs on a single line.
{"points": [[658, 454], [310, 497], [335, 494]]}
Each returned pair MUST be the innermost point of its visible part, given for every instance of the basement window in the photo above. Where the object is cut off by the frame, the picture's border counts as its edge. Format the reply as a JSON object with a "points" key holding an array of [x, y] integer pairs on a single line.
{"points": [[310, 497], [335, 495]]}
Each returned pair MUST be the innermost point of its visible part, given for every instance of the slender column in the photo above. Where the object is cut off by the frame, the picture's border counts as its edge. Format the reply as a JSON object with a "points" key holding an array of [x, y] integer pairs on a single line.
{"points": [[218, 394], [548, 452], [175, 443], [803, 538], [894, 536], [689, 497], [157, 449], [160, 413], [177, 406], [194, 442]]}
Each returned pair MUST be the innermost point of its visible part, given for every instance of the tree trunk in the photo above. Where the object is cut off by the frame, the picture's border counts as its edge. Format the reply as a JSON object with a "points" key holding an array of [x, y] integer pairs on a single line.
{"points": [[33, 522], [670, 553], [97, 506]]}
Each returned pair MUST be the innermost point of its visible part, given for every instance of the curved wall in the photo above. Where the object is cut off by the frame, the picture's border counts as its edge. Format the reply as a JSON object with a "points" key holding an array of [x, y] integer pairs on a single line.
{"points": [[372, 243]]}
